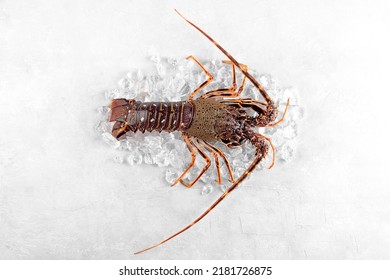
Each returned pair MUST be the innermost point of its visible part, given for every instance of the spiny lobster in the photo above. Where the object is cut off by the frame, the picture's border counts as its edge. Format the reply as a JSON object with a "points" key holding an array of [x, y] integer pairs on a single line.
{"points": [[217, 115]]}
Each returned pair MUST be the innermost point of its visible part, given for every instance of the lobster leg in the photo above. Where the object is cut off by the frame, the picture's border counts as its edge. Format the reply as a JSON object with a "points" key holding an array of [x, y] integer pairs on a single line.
{"points": [[284, 114], [255, 105], [260, 154], [231, 90], [247, 103], [215, 155], [244, 102], [205, 83], [189, 145], [218, 151], [228, 92], [208, 163], [272, 147]]}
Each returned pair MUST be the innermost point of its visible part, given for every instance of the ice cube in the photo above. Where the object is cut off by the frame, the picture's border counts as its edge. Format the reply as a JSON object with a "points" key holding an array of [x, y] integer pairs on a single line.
{"points": [[171, 175], [102, 127], [286, 153], [206, 189], [161, 159], [110, 140], [134, 157]]}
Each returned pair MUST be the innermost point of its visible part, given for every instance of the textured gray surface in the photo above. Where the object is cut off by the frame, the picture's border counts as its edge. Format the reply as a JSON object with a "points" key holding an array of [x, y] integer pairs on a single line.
{"points": [[61, 195]]}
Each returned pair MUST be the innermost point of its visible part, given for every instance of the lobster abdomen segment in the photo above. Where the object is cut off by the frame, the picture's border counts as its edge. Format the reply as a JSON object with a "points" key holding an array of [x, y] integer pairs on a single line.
{"points": [[131, 115]]}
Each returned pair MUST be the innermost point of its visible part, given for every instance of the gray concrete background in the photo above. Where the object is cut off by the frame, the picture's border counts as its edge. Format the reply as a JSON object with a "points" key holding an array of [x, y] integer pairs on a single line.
{"points": [[63, 197]]}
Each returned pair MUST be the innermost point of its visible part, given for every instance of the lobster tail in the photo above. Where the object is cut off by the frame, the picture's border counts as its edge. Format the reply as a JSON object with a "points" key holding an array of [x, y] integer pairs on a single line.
{"points": [[131, 115]]}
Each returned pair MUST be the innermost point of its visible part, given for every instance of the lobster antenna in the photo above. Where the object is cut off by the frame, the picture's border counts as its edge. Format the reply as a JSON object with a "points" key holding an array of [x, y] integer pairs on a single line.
{"points": [[246, 73], [222, 197]]}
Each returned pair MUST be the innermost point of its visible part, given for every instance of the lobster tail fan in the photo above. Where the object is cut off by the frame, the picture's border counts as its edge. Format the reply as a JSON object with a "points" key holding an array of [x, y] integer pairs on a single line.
{"points": [[119, 110]]}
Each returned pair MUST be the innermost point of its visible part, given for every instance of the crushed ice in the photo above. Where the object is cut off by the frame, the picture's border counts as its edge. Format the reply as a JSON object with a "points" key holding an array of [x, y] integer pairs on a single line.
{"points": [[173, 81]]}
